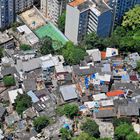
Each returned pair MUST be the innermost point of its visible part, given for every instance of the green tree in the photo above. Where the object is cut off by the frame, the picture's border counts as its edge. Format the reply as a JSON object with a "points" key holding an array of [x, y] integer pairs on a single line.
{"points": [[138, 66], [90, 41], [9, 80], [122, 131], [60, 110], [84, 136], [46, 46], [15, 25], [40, 123], [70, 110], [1, 53], [65, 134], [131, 19], [25, 47], [104, 139], [132, 136], [61, 21], [73, 54], [118, 121], [91, 128], [22, 102]]}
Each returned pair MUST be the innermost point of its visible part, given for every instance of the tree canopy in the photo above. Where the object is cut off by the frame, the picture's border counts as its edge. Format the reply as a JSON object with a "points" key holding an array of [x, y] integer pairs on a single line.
{"points": [[40, 123], [9, 80], [22, 102], [91, 128], [73, 54], [46, 46], [71, 110], [122, 131], [131, 19], [65, 134], [138, 66], [125, 37], [84, 136], [1, 52], [25, 47], [61, 21], [119, 121]]}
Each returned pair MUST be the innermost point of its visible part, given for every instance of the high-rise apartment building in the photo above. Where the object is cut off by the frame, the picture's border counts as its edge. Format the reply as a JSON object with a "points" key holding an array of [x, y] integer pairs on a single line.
{"points": [[9, 9], [22, 5], [7, 14], [51, 9], [86, 16], [120, 7]]}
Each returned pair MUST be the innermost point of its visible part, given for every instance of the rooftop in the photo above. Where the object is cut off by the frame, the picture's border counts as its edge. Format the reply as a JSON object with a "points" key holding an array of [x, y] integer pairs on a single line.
{"points": [[76, 3], [115, 93], [4, 37], [32, 19], [98, 6], [68, 92]]}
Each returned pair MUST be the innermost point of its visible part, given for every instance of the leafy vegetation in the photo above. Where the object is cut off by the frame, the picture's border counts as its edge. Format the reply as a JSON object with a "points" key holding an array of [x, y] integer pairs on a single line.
{"points": [[46, 46], [9, 80], [15, 25], [61, 21], [1, 52], [119, 121], [131, 19], [84, 136], [65, 134], [73, 54], [60, 110], [22, 102], [138, 66], [71, 110], [126, 37], [122, 131], [40, 123], [25, 47], [90, 127]]}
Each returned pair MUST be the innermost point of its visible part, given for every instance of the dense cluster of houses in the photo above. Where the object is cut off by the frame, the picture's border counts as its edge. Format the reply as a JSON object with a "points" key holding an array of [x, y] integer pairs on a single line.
{"points": [[104, 85]]}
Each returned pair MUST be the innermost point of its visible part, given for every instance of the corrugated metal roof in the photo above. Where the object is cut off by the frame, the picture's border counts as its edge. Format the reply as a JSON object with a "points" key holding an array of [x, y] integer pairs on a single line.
{"points": [[33, 96], [68, 92]]}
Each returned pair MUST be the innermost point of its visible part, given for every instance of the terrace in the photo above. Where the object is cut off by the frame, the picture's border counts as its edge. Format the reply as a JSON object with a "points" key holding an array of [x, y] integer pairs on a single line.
{"points": [[32, 18]]}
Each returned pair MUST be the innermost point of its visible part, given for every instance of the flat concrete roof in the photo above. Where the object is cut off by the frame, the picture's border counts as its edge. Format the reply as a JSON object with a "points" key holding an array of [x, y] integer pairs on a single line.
{"points": [[4, 37], [32, 19]]}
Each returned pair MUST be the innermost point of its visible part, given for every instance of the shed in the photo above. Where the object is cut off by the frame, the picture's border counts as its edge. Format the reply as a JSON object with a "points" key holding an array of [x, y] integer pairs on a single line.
{"points": [[33, 96], [95, 53], [98, 97], [13, 94]]}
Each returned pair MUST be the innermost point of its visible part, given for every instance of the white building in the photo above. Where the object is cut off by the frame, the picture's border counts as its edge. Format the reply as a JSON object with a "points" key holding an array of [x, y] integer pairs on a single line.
{"points": [[50, 9], [87, 16]]}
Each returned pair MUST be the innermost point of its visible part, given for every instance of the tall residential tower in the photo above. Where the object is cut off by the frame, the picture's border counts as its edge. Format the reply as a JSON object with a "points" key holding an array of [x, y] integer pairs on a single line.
{"points": [[51, 9], [22, 5], [120, 7], [86, 16], [7, 14]]}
